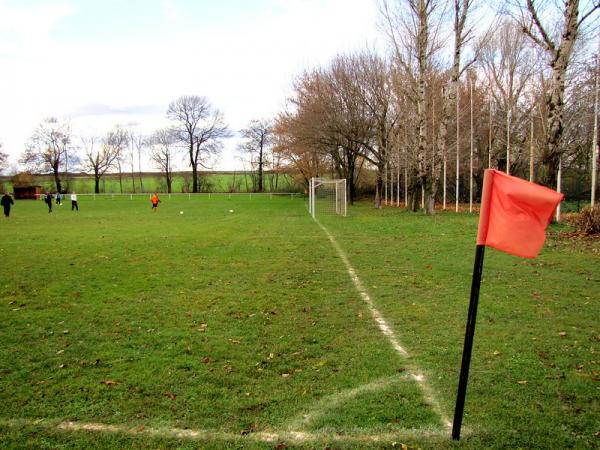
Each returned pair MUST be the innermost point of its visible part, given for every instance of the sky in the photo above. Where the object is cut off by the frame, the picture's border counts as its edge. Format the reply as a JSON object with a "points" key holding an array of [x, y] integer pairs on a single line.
{"points": [[98, 63]]}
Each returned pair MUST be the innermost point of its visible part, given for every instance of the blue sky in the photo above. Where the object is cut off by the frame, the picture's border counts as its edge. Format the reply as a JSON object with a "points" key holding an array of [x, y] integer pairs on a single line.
{"points": [[97, 63]]}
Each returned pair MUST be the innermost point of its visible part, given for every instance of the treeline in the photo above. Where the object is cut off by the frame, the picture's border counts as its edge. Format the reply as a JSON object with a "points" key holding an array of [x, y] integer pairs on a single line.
{"points": [[115, 183], [197, 133], [459, 91]]}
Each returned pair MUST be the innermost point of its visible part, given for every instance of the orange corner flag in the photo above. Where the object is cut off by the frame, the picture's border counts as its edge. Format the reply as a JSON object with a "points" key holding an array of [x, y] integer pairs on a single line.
{"points": [[514, 214]]}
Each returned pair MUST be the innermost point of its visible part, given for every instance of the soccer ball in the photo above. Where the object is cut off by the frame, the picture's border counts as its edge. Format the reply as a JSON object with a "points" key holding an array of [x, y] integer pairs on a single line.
{"points": [[231, 210], [180, 212]]}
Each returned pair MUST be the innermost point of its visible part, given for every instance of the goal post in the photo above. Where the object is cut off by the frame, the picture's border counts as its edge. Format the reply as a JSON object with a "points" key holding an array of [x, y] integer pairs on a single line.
{"points": [[327, 197]]}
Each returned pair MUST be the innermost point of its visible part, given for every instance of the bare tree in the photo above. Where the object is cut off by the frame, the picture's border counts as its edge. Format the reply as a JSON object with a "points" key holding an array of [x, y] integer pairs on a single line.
{"points": [[331, 125], [200, 127], [463, 34], [258, 139], [101, 159], [559, 48], [137, 143], [47, 148], [509, 63], [413, 28], [374, 119], [3, 159], [290, 146], [161, 144]]}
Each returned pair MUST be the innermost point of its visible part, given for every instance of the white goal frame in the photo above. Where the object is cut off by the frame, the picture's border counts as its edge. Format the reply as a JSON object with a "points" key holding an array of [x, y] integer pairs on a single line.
{"points": [[339, 198]]}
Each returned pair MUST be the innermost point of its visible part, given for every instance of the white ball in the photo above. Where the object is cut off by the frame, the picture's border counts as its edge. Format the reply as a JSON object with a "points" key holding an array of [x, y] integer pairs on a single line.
{"points": [[180, 212], [231, 210]]}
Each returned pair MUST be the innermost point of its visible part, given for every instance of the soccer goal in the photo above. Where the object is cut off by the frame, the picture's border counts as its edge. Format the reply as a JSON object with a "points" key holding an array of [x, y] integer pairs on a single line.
{"points": [[327, 196]]}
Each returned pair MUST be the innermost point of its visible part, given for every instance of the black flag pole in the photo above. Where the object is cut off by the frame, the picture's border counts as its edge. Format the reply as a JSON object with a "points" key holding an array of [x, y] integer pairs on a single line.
{"points": [[468, 346]]}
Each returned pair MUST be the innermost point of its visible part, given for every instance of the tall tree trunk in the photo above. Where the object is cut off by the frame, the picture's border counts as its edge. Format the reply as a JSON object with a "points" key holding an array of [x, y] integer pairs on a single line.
{"points": [[379, 186], [350, 179], [413, 191], [120, 179], [57, 179], [96, 182], [140, 171], [559, 58], [132, 177], [555, 107], [194, 164], [260, 167], [422, 46]]}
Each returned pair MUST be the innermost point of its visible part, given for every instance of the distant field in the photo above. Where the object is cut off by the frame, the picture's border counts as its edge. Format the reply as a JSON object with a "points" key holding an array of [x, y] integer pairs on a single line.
{"points": [[209, 182], [245, 329]]}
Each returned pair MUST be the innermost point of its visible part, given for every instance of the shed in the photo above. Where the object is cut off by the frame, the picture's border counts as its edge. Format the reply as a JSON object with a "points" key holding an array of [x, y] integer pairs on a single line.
{"points": [[27, 192]]}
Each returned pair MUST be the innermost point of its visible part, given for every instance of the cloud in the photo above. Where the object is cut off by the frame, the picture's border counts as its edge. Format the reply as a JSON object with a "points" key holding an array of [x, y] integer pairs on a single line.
{"points": [[30, 24], [101, 109]]}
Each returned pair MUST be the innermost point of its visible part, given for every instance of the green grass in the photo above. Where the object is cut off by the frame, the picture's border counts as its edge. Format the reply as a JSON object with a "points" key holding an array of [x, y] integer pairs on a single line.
{"points": [[247, 322]]}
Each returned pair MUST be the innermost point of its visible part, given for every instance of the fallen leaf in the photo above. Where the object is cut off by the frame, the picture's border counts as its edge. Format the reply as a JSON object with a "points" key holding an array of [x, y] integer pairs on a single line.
{"points": [[108, 382], [285, 375], [62, 366], [522, 382], [562, 333], [281, 446], [401, 369], [234, 341], [579, 367], [170, 395], [497, 353], [206, 360]]}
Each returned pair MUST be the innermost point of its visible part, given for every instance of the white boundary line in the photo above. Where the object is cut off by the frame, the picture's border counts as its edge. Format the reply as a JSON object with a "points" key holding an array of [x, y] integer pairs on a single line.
{"points": [[297, 437], [385, 329]]}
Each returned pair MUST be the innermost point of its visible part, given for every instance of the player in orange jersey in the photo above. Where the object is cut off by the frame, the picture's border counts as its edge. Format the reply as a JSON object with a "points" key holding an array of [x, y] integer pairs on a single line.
{"points": [[155, 201]]}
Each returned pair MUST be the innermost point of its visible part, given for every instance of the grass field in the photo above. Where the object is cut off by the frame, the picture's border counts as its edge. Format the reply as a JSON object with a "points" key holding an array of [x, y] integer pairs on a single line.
{"points": [[217, 329]]}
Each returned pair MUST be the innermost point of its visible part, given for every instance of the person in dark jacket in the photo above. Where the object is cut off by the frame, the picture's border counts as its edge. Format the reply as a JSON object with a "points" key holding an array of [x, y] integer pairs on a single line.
{"points": [[48, 200], [6, 202]]}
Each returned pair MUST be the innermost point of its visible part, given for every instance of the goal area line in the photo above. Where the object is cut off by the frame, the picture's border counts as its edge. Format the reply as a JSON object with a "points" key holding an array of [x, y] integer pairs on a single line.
{"points": [[387, 331]]}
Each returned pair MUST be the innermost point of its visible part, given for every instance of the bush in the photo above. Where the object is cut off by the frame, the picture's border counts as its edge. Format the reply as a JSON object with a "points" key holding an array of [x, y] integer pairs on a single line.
{"points": [[587, 221]]}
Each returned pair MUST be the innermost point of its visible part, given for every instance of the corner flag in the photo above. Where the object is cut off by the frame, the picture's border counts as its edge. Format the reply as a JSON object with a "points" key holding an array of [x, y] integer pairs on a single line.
{"points": [[513, 218], [514, 214]]}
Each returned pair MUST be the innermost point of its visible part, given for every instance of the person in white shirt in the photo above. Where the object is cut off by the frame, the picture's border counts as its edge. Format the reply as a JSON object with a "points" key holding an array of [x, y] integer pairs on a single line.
{"points": [[74, 201]]}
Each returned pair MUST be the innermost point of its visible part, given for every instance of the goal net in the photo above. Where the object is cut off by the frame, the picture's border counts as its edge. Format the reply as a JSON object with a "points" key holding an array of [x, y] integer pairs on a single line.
{"points": [[327, 197]]}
